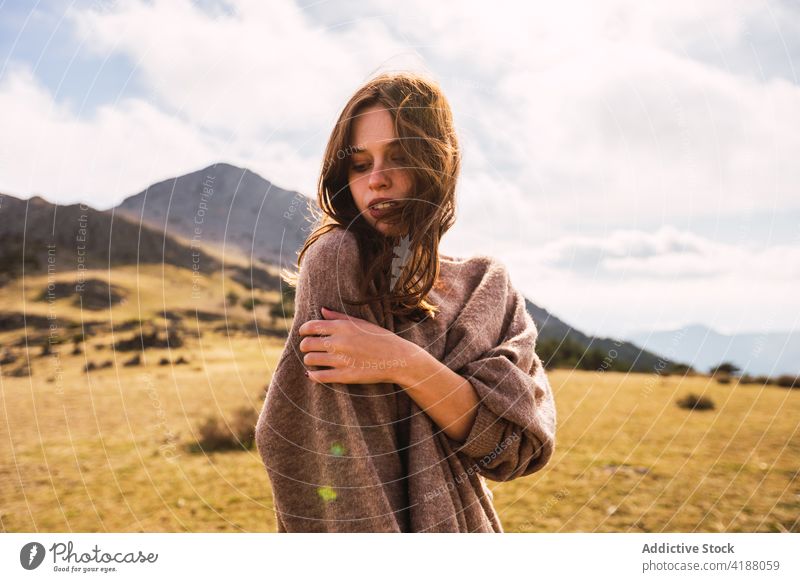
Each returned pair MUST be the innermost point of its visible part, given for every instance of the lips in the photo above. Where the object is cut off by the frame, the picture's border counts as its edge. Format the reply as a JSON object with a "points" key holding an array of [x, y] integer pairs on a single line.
{"points": [[380, 201]]}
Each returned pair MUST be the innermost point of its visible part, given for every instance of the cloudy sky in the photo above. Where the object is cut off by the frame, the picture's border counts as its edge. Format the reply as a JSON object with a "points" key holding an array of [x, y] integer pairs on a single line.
{"points": [[635, 165]]}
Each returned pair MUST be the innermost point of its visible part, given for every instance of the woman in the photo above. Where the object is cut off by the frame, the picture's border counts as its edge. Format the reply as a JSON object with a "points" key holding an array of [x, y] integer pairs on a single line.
{"points": [[408, 377]]}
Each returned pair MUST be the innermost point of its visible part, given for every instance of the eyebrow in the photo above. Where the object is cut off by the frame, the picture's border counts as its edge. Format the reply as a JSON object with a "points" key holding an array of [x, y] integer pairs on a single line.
{"points": [[362, 149]]}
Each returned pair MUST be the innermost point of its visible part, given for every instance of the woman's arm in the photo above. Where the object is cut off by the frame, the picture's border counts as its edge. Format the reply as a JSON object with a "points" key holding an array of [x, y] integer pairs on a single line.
{"points": [[352, 348], [491, 344], [449, 399]]}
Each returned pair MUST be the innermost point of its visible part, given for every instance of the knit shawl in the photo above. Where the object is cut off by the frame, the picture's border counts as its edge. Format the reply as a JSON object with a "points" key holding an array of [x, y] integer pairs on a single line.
{"points": [[365, 457]]}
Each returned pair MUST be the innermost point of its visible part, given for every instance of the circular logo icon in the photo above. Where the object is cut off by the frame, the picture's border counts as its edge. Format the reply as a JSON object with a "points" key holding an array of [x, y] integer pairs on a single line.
{"points": [[31, 555]]}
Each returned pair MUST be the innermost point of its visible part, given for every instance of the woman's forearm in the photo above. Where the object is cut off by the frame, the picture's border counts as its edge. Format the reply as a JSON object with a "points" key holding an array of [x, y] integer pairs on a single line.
{"points": [[449, 399]]}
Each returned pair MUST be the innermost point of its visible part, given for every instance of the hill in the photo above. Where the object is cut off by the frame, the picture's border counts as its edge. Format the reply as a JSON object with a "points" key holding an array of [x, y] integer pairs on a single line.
{"points": [[227, 206]]}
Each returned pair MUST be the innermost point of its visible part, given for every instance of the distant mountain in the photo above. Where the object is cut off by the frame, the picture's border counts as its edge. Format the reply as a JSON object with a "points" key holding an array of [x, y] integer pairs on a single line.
{"points": [[39, 236], [767, 354], [617, 351], [225, 204], [221, 205]]}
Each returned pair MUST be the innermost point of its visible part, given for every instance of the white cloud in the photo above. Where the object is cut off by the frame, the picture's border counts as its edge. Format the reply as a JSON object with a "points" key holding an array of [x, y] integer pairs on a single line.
{"points": [[262, 68], [629, 279], [580, 105], [117, 151], [667, 253], [625, 132], [576, 118]]}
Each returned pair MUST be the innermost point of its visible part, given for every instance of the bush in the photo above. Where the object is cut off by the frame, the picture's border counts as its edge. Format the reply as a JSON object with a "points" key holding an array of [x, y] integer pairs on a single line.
{"points": [[788, 381], [244, 426], [695, 402], [681, 369], [724, 379], [251, 302], [568, 353], [724, 368], [216, 435], [281, 310]]}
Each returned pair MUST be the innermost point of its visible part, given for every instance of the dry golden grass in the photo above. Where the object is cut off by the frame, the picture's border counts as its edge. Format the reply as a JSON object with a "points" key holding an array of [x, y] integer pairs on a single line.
{"points": [[152, 289], [629, 460], [105, 451]]}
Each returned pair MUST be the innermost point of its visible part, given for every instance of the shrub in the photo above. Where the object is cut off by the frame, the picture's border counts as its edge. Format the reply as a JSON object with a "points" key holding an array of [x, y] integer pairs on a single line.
{"points": [[681, 369], [251, 302], [281, 310], [244, 426], [694, 402], [788, 381], [216, 435], [724, 368]]}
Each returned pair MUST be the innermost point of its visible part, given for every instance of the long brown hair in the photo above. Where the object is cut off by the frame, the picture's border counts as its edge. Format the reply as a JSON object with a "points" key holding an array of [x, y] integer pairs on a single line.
{"points": [[423, 123]]}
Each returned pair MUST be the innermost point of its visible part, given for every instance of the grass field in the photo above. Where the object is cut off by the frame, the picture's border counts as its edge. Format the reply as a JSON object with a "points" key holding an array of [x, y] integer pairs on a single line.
{"points": [[107, 450], [104, 451]]}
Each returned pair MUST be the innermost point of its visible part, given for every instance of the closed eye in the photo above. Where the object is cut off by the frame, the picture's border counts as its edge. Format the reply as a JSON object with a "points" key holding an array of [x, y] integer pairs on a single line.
{"points": [[363, 167]]}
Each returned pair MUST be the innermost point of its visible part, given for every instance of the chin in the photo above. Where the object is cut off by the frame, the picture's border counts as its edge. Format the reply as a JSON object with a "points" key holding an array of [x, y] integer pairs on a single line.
{"points": [[386, 229]]}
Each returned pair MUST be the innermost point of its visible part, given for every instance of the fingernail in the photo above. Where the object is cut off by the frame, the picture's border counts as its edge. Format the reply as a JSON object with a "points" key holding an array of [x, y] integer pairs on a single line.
{"points": [[305, 372]]}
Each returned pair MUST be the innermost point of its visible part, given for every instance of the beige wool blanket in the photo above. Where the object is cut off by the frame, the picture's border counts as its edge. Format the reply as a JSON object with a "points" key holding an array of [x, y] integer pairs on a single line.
{"points": [[365, 457]]}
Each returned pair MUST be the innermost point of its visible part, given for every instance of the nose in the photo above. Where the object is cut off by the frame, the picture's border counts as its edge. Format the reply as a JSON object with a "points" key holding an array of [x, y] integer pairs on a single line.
{"points": [[378, 178]]}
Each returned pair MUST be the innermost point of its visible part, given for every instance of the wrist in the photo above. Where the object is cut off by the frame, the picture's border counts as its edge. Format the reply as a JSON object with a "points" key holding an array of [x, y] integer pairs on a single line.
{"points": [[416, 365]]}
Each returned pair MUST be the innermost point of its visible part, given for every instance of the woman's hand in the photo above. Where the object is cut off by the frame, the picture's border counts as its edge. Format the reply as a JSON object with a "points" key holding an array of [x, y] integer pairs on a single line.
{"points": [[361, 352], [358, 351]]}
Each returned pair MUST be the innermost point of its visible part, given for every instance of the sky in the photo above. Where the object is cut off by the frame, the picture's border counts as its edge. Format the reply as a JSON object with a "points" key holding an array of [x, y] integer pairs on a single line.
{"points": [[633, 164]]}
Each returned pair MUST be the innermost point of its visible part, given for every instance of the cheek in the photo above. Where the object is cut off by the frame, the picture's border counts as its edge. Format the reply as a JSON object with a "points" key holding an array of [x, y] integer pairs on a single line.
{"points": [[357, 190], [406, 181]]}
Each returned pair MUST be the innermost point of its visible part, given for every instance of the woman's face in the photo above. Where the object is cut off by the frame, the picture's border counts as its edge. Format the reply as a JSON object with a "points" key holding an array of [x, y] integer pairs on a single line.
{"points": [[377, 167]]}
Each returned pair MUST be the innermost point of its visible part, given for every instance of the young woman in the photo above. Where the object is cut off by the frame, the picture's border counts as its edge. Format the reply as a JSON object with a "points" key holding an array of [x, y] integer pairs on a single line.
{"points": [[408, 377]]}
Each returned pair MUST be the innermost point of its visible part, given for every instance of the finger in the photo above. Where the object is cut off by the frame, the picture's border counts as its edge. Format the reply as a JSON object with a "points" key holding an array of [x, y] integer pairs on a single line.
{"points": [[316, 327], [327, 359], [316, 344], [331, 314]]}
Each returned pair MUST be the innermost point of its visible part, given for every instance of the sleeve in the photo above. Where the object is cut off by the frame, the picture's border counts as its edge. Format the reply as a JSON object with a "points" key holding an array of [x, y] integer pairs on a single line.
{"points": [[299, 421], [329, 276], [514, 431]]}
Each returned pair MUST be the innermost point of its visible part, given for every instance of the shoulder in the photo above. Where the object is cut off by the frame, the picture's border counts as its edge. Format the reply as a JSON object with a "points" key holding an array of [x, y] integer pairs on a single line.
{"points": [[490, 263], [331, 265], [335, 248], [476, 268], [480, 277]]}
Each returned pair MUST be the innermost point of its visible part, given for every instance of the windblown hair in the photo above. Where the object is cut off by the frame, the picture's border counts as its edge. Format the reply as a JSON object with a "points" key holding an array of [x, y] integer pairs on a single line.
{"points": [[423, 123]]}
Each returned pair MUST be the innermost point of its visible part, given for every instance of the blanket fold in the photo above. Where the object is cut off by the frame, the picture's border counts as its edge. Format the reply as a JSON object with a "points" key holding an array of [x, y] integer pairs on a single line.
{"points": [[365, 457]]}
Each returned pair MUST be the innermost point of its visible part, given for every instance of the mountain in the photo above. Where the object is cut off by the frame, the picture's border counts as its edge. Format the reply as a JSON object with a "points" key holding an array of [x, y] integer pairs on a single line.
{"points": [[623, 353], [757, 354], [220, 206], [37, 236], [226, 205]]}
